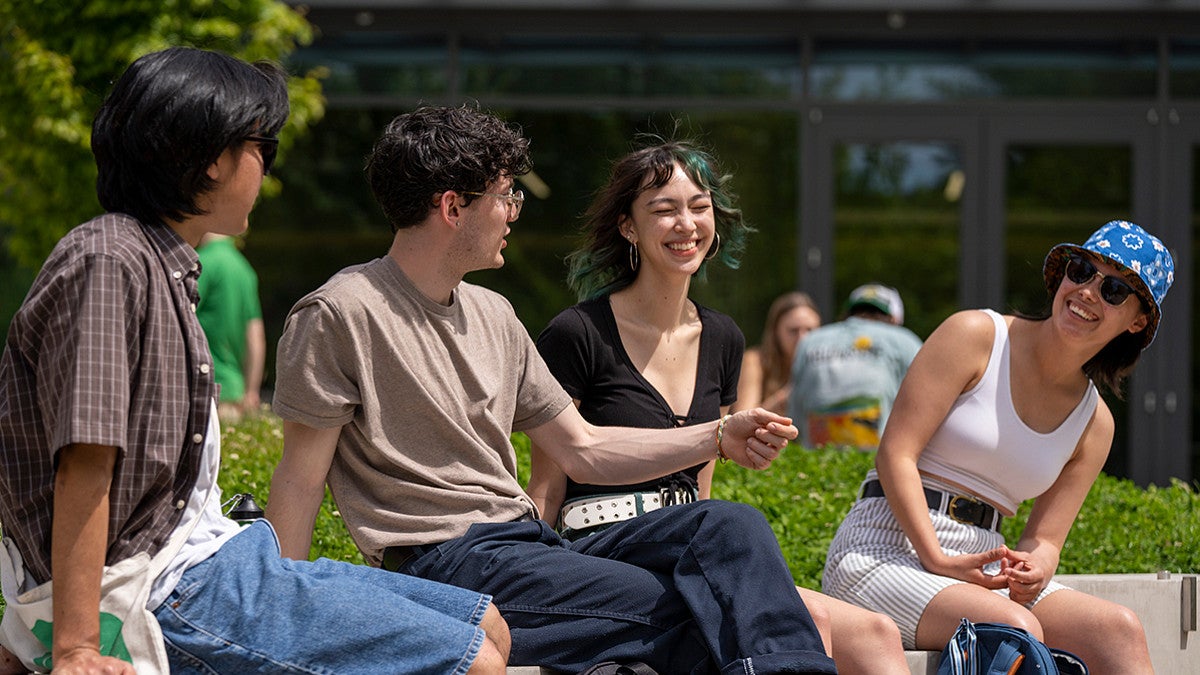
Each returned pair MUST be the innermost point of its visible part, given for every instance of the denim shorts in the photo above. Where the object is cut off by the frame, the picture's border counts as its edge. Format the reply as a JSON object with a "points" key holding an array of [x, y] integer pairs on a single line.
{"points": [[247, 610]]}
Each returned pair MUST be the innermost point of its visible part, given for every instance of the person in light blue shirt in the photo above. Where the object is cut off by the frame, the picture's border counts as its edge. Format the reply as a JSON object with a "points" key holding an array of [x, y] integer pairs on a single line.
{"points": [[845, 375]]}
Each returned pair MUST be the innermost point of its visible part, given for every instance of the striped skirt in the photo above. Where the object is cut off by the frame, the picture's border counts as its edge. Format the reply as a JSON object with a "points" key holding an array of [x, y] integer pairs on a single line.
{"points": [[872, 564]]}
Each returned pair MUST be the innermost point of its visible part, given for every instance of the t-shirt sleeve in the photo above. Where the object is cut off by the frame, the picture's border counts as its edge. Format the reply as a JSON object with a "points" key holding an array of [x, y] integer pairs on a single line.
{"points": [[316, 384], [540, 397], [733, 347], [563, 346]]}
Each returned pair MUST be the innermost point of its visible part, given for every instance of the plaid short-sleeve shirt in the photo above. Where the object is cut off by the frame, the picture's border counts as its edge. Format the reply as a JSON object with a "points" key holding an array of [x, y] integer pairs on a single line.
{"points": [[106, 350]]}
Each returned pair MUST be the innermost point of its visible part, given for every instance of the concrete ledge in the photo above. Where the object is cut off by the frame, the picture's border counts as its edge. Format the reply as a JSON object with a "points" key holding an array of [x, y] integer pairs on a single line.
{"points": [[1166, 604]]}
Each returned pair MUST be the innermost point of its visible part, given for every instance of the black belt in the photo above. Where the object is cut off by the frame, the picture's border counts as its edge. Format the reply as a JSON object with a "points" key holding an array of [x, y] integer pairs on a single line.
{"points": [[396, 557], [963, 508]]}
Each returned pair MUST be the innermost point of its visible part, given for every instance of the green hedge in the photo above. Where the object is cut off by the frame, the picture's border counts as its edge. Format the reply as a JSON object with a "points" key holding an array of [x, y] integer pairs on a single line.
{"points": [[805, 494]]}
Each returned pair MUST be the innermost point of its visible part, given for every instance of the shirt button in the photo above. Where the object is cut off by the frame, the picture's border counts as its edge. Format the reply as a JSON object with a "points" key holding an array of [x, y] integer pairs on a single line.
{"points": [[198, 438], [180, 504], [177, 274], [193, 306], [204, 368]]}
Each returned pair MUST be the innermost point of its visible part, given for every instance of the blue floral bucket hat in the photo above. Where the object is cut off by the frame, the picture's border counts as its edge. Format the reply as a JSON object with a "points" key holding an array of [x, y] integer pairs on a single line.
{"points": [[1143, 258]]}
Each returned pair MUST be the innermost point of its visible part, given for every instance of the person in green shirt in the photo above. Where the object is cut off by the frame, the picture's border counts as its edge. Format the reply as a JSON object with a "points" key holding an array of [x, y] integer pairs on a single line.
{"points": [[230, 313]]}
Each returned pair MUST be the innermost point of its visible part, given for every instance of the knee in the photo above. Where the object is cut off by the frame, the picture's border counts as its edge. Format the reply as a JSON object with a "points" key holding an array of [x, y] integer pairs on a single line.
{"points": [[1019, 617], [496, 629], [879, 628], [489, 661], [1122, 623], [819, 612], [734, 518]]}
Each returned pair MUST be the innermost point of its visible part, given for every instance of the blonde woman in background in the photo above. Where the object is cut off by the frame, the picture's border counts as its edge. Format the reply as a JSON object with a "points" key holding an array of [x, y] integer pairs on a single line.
{"points": [[766, 369]]}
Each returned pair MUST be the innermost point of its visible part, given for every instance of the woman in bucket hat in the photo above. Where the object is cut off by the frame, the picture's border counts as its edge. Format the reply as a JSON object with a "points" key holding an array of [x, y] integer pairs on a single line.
{"points": [[996, 410]]}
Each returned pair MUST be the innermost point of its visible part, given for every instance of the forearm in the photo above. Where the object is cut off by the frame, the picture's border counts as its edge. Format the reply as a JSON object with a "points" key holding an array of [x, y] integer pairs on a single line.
{"points": [[623, 455], [292, 510], [79, 541], [547, 484], [901, 483], [298, 486], [252, 366]]}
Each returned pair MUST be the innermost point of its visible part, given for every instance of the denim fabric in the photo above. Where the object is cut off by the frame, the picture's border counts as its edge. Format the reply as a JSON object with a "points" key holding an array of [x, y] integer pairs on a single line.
{"points": [[695, 588], [247, 610]]}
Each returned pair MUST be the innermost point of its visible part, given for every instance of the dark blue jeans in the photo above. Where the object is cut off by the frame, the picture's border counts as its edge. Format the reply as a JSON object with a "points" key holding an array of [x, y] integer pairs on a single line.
{"points": [[695, 588]]}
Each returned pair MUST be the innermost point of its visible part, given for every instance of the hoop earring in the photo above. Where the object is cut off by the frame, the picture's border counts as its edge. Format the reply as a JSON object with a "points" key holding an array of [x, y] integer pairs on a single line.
{"points": [[634, 258], [716, 247]]}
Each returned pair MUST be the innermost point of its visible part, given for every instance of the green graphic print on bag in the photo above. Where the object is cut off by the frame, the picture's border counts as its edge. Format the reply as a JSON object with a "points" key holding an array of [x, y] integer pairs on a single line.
{"points": [[111, 642]]}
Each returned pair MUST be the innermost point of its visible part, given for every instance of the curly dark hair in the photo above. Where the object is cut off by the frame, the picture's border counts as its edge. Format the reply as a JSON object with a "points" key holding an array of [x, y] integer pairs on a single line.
{"points": [[600, 266], [434, 149]]}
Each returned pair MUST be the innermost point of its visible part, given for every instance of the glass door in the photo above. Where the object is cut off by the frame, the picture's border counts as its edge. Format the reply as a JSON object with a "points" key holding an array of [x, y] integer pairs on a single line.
{"points": [[891, 199]]}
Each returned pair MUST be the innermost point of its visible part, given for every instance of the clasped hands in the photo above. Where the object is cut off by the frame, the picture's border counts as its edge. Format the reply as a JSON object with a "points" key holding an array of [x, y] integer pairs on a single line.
{"points": [[1023, 574], [754, 438]]}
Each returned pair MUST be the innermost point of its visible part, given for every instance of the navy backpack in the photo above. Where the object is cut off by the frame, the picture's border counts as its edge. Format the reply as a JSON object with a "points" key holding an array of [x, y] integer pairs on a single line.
{"points": [[1000, 649]]}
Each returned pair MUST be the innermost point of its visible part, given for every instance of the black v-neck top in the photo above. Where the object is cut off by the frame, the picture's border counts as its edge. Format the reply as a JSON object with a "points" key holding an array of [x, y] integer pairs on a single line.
{"points": [[583, 349]]}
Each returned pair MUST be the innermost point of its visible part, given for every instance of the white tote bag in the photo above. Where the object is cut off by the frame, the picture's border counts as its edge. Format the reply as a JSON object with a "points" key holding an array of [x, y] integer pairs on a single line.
{"points": [[128, 631]]}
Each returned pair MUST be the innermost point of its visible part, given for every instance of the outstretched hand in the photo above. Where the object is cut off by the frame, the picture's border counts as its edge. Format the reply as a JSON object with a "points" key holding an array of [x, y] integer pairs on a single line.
{"points": [[754, 438]]}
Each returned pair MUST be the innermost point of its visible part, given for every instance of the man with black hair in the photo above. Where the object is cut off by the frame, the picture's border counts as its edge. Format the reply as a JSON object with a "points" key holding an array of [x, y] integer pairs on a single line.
{"points": [[400, 385], [109, 445]]}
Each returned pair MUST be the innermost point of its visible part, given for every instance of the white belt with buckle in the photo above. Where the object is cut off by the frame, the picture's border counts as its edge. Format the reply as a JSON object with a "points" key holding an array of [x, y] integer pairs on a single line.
{"points": [[587, 512]]}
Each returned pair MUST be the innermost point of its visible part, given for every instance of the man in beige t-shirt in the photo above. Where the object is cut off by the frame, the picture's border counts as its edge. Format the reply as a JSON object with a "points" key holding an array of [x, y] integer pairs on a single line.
{"points": [[399, 386]]}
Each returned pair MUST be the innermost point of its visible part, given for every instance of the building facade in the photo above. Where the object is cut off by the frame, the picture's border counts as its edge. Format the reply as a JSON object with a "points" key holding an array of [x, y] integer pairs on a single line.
{"points": [[940, 147]]}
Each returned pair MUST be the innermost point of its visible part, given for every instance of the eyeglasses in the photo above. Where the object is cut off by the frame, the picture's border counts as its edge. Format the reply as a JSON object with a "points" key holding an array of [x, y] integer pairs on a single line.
{"points": [[268, 146], [514, 200], [1114, 290]]}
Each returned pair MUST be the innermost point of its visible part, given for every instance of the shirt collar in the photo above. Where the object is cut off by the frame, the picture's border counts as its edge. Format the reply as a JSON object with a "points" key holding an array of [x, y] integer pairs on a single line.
{"points": [[178, 256]]}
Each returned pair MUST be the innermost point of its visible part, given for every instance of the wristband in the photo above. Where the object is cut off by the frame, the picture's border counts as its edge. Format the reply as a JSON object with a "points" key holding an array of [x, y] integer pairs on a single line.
{"points": [[721, 434]]}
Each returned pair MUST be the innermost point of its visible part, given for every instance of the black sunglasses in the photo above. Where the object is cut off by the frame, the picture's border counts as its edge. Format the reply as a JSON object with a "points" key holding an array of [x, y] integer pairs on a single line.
{"points": [[268, 146], [1114, 290]]}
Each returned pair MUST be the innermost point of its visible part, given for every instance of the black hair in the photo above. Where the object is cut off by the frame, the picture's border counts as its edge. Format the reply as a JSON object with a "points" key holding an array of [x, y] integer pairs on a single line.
{"points": [[169, 117], [434, 149]]}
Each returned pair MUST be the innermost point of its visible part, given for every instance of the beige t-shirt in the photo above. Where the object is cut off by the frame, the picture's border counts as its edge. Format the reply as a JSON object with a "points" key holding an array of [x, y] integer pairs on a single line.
{"points": [[427, 396]]}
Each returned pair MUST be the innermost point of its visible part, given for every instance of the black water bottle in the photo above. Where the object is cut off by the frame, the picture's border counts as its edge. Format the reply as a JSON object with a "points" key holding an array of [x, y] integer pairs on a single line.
{"points": [[244, 509]]}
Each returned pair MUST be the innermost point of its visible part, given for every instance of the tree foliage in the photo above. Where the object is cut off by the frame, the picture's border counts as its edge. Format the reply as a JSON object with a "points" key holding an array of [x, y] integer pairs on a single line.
{"points": [[58, 59]]}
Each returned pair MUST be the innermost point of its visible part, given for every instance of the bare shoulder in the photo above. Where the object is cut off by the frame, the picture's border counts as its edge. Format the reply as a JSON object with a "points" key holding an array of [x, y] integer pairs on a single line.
{"points": [[969, 330]]}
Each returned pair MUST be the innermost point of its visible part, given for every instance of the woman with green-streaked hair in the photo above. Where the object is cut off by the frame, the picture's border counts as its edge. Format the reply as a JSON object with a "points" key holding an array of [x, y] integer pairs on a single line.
{"points": [[637, 351]]}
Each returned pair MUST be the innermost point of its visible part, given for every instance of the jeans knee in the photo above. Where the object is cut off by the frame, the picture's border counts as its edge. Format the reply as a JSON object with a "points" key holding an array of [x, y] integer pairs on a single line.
{"points": [[734, 516]]}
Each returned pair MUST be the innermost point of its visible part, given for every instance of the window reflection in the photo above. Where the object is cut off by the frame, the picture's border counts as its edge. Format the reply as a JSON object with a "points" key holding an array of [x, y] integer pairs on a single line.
{"points": [[892, 201], [632, 65], [932, 71]]}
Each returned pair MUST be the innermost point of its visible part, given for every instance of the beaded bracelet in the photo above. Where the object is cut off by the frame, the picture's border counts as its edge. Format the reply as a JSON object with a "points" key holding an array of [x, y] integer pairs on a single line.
{"points": [[721, 434]]}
